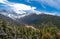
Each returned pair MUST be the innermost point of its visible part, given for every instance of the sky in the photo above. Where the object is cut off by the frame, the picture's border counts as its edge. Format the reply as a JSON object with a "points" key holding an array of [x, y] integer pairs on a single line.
{"points": [[27, 6]]}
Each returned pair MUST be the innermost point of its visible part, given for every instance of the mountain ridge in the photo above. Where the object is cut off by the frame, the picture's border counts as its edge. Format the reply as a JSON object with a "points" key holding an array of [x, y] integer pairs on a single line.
{"points": [[34, 19]]}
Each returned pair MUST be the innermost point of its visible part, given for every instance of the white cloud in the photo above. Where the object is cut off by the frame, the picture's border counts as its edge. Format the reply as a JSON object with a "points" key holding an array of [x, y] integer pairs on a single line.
{"points": [[52, 13], [17, 7], [2, 1], [52, 3], [20, 8], [40, 12], [14, 16]]}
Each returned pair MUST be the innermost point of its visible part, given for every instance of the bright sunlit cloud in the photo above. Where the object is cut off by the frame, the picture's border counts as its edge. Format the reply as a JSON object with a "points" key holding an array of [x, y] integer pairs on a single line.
{"points": [[20, 8]]}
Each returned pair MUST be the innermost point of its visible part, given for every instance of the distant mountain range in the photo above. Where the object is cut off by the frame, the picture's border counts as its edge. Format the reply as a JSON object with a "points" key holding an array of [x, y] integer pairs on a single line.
{"points": [[34, 19], [31, 19]]}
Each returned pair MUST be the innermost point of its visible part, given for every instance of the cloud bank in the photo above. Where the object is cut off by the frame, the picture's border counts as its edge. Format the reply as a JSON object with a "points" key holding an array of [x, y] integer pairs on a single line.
{"points": [[20, 8]]}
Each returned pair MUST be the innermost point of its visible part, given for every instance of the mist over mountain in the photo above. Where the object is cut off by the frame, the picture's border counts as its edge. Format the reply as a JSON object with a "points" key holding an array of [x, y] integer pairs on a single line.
{"points": [[11, 14]]}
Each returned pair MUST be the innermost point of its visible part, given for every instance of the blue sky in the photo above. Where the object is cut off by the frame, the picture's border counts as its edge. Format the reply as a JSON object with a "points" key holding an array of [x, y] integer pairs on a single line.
{"points": [[26, 6]]}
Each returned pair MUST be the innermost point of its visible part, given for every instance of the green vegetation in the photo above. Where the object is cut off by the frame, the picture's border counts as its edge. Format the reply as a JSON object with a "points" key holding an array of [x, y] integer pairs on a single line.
{"points": [[8, 31]]}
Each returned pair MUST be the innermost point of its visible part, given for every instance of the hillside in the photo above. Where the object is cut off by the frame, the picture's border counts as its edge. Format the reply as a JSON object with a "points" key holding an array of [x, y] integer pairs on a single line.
{"points": [[8, 31], [40, 27], [34, 19], [8, 19]]}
